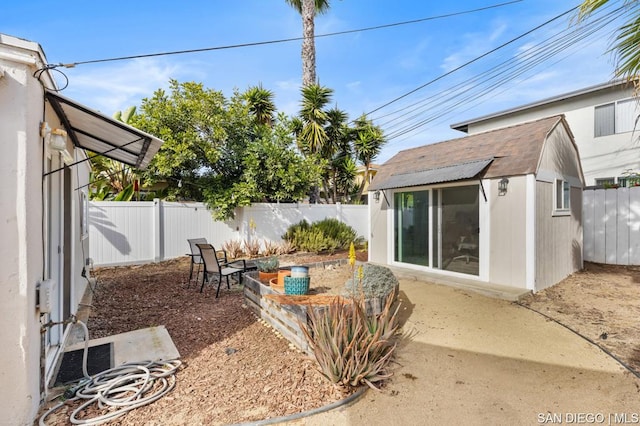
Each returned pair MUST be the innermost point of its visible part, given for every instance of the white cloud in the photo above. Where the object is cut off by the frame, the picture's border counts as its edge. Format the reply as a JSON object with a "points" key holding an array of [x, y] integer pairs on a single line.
{"points": [[115, 87], [474, 44]]}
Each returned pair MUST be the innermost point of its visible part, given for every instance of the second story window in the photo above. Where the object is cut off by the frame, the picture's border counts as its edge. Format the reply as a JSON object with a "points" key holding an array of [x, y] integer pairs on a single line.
{"points": [[615, 117]]}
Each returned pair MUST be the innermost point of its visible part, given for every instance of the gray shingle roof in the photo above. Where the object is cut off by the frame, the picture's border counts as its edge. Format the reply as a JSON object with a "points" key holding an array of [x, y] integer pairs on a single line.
{"points": [[515, 151]]}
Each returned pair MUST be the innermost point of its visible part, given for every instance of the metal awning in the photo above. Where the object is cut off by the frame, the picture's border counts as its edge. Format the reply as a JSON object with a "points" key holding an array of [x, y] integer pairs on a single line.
{"points": [[451, 173], [104, 135]]}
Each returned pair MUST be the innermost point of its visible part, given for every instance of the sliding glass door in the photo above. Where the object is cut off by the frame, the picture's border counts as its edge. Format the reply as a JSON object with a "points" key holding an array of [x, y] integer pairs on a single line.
{"points": [[441, 235], [412, 227], [460, 231]]}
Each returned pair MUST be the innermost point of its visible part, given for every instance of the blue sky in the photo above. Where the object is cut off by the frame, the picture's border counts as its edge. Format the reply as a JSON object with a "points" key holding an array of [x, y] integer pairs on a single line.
{"points": [[366, 69]]}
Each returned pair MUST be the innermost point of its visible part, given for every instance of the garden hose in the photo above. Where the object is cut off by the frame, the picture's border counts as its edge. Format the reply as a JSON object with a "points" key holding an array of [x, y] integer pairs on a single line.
{"points": [[119, 389]]}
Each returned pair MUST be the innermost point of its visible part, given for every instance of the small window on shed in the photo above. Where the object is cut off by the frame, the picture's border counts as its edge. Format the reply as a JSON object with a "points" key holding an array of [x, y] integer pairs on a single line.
{"points": [[562, 193]]}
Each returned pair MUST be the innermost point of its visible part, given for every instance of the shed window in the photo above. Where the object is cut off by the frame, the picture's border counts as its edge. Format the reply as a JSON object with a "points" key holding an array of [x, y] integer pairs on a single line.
{"points": [[562, 195], [616, 117]]}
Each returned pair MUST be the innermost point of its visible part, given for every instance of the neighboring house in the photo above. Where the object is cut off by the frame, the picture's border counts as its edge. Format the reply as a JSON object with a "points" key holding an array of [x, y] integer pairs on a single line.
{"points": [[44, 223], [502, 208], [373, 169], [602, 119]]}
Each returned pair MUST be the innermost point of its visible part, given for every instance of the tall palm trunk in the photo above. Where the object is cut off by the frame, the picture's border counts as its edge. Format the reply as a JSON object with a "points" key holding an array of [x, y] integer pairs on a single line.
{"points": [[308, 43]]}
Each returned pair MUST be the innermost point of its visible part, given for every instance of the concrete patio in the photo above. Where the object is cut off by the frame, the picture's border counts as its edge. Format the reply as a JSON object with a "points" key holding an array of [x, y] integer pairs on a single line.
{"points": [[469, 359]]}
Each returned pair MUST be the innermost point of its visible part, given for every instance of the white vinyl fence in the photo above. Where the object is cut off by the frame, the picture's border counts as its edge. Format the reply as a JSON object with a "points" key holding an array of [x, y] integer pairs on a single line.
{"points": [[150, 231], [611, 223]]}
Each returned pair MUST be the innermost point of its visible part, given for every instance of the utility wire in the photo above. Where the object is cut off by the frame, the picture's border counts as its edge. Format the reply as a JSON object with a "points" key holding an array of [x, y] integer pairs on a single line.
{"points": [[532, 58], [285, 40], [477, 58], [525, 62]]}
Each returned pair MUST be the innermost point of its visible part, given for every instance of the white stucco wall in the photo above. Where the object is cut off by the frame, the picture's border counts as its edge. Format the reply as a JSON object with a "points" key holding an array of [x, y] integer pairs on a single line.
{"points": [[27, 240], [379, 221], [21, 255]]}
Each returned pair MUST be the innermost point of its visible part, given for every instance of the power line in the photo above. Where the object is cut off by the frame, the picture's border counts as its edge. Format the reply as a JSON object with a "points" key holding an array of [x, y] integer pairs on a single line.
{"points": [[285, 40], [475, 89], [477, 58]]}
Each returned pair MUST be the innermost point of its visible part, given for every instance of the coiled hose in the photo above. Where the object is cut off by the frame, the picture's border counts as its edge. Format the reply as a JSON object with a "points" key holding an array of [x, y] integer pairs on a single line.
{"points": [[119, 389]]}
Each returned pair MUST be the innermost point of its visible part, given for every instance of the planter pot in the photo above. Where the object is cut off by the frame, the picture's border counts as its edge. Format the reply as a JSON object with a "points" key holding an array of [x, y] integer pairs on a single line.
{"points": [[296, 285], [273, 283], [299, 271], [266, 276], [281, 274]]}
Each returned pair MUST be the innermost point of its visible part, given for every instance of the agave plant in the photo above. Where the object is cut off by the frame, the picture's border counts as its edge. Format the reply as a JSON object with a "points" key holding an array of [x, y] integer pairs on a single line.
{"points": [[352, 348]]}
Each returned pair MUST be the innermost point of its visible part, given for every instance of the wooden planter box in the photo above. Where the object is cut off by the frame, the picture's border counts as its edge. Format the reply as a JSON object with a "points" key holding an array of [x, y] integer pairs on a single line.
{"points": [[285, 313]]}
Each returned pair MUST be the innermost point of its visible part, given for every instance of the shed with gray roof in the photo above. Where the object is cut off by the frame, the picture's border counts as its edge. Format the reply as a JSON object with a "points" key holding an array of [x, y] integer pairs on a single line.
{"points": [[503, 207]]}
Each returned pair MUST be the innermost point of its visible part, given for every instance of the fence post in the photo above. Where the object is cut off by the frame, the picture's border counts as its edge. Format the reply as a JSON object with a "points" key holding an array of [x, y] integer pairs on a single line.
{"points": [[339, 212], [157, 230]]}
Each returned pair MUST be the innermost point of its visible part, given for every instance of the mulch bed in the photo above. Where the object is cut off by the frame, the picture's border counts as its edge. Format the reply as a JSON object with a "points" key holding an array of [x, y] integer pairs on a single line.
{"points": [[235, 367]]}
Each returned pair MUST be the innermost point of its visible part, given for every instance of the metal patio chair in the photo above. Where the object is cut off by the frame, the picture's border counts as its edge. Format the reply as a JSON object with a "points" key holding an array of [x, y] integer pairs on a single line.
{"points": [[218, 267], [196, 259]]}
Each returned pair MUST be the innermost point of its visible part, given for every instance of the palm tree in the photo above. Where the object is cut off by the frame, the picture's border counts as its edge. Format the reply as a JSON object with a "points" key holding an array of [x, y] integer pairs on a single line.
{"points": [[336, 149], [308, 10], [627, 36], [368, 144], [313, 135], [261, 104]]}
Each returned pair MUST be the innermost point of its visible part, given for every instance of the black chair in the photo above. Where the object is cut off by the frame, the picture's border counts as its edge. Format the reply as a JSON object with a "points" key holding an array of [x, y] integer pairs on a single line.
{"points": [[218, 267]]}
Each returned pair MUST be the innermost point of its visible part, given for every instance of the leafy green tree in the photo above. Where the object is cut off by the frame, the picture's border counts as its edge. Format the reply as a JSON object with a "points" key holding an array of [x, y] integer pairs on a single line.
{"points": [[627, 37], [227, 153], [205, 136], [274, 170], [308, 9]]}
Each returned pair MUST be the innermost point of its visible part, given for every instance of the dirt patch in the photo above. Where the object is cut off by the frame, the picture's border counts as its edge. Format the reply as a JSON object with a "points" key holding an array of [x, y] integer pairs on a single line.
{"points": [[235, 369], [602, 303]]}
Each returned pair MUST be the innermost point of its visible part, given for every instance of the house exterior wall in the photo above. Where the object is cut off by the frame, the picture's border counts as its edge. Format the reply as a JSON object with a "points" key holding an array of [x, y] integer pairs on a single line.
{"points": [[380, 220], [601, 157], [508, 233], [26, 200], [21, 259]]}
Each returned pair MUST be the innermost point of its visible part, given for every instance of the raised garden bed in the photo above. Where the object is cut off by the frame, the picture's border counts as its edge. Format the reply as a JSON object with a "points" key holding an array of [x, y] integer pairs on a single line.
{"points": [[285, 313]]}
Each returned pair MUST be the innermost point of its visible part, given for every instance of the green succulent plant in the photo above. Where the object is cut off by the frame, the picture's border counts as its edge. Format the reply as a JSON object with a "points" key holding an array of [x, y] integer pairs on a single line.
{"points": [[351, 347], [268, 264]]}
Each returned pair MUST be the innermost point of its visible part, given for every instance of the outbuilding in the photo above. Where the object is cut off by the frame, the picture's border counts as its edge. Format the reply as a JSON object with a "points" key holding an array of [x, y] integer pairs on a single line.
{"points": [[501, 208]]}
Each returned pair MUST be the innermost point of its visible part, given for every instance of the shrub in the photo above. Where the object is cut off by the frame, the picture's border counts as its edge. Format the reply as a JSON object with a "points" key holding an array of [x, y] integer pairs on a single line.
{"points": [[325, 235], [252, 247], [352, 348], [270, 248], [286, 247], [377, 281], [233, 248]]}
